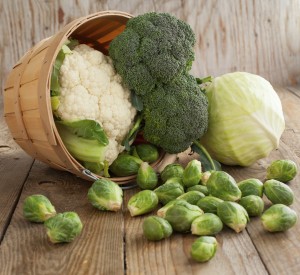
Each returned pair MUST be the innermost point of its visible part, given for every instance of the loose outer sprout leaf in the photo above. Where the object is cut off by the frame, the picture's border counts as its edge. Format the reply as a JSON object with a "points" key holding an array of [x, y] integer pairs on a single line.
{"points": [[133, 132], [136, 101], [207, 162]]}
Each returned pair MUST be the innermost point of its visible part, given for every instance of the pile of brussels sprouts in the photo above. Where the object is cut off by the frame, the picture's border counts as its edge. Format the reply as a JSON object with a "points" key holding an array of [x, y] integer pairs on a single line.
{"points": [[192, 201]]}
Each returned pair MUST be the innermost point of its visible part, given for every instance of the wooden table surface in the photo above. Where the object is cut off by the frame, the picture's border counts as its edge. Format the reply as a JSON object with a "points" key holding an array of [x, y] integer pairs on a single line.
{"points": [[112, 243]]}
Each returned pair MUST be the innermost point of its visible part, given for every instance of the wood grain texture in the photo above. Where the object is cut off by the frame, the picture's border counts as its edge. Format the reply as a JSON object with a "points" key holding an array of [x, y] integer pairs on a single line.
{"points": [[98, 250], [14, 168], [255, 36]]}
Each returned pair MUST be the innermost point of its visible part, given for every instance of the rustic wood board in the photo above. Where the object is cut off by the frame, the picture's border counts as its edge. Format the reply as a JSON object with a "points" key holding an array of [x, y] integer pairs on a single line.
{"points": [[255, 36], [98, 250], [15, 165]]}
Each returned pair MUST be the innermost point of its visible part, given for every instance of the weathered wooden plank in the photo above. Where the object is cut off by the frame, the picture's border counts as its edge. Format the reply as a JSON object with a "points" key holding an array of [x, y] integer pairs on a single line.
{"points": [[98, 250], [280, 251], [14, 168], [224, 31]]}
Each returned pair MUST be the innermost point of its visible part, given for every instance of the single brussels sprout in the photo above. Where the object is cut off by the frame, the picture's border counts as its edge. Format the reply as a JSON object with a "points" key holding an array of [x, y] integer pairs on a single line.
{"points": [[168, 192], [204, 248], [201, 188], [156, 228], [146, 177], [233, 215], [191, 197], [173, 170], [142, 202], [181, 215], [37, 208], [251, 187], [64, 227], [175, 180], [282, 170], [278, 192], [205, 177], [209, 204], [223, 186], [279, 217], [161, 212], [207, 224], [192, 173], [105, 194], [254, 205], [125, 165], [147, 152]]}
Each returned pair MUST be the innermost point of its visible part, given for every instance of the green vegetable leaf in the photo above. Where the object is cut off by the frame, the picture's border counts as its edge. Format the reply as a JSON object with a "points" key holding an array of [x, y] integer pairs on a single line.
{"points": [[133, 132], [204, 80], [65, 49], [207, 162], [136, 101], [86, 128]]}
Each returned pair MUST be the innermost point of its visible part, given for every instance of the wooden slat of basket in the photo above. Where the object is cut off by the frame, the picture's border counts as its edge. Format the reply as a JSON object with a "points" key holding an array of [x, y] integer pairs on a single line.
{"points": [[28, 99], [12, 124], [33, 68], [33, 124], [9, 100], [109, 36]]}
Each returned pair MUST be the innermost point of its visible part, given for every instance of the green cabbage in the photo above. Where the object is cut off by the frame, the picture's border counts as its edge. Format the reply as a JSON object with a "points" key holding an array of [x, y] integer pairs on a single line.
{"points": [[245, 119]]}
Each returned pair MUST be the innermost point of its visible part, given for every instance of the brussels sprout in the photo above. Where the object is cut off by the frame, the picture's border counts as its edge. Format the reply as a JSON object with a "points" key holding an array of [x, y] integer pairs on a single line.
{"points": [[251, 187], [233, 215], [201, 188], [205, 177], [191, 197], [279, 217], [283, 170], [142, 202], [209, 204], [207, 224], [192, 173], [156, 228], [64, 227], [105, 194], [168, 192], [254, 205], [175, 180], [204, 248], [161, 212], [37, 208], [181, 215], [172, 170], [147, 152], [125, 165], [146, 177], [223, 186], [278, 192]]}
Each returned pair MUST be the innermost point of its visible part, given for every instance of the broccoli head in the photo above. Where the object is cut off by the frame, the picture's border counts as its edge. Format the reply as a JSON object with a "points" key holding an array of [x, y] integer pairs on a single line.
{"points": [[154, 48], [176, 114]]}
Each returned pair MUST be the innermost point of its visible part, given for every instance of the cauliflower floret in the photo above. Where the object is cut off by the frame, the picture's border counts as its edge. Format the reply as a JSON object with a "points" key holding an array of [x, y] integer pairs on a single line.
{"points": [[91, 89]]}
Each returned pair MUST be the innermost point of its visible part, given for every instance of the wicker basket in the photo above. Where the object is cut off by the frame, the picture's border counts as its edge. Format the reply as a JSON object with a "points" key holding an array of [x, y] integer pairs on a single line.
{"points": [[27, 107]]}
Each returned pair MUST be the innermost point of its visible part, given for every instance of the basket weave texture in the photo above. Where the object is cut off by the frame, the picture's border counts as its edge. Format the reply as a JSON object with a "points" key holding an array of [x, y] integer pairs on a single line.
{"points": [[27, 106]]}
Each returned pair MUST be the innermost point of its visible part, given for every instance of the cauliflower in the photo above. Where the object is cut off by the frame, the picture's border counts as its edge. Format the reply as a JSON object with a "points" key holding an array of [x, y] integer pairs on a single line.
{"points": [[91, 89]]}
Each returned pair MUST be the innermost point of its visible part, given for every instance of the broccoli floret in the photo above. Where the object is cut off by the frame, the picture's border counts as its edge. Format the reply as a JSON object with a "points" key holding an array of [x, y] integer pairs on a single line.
{"points": [[176, 114], [154, 48]]}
